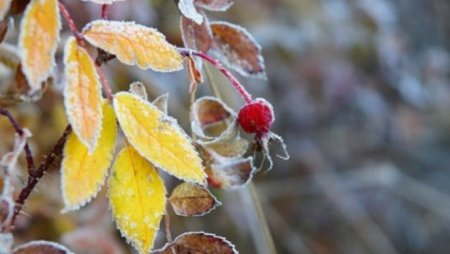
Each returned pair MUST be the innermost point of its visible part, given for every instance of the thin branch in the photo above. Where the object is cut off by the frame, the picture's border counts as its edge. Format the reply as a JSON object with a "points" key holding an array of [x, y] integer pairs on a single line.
{"points": [[234, 81], [19, 130], [105, 11], [34, 177]]}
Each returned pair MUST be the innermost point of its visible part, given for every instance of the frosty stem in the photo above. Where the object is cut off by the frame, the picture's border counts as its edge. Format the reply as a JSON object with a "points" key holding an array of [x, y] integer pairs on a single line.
{"points": [[234, 81]]}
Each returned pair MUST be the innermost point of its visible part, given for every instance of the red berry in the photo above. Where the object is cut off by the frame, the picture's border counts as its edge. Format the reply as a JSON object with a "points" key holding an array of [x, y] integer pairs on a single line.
{"points": [[256, 117]]}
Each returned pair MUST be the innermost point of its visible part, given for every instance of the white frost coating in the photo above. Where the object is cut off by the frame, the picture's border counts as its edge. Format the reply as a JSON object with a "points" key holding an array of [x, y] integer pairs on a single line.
{"points": [[4, 8], [215, 6], [161, 102], [201, 233], [35, 84], [228, 56], [103, 1], [235, 179], [71, 69], [6, 242], [43, 243], [187, 8]]}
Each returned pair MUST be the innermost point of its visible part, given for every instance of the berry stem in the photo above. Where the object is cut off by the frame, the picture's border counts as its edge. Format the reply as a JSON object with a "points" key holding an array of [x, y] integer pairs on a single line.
{"points": [[236, 84], [105, 11]]}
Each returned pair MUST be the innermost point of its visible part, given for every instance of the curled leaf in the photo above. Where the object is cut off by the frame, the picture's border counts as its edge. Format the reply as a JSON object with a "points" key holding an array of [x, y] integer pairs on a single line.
{"points": [[134, 44], [214, 5], [137, 88], [215, 125], [188, 9], [192, 200], [231, 174], [237, 48], [137, 196], [161, 102], [3, 29], [38, 39], [199, 242], [83, 174], [41, 247], [82, 94], [158, 137]]}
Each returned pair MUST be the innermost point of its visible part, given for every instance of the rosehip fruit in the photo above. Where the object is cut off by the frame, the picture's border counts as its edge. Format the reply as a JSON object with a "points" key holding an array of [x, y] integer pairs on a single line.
{"points": [[256, 117]]}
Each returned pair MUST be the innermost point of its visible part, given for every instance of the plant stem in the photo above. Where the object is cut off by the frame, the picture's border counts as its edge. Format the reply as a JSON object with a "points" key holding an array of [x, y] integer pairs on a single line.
{"points": [[234, 81], [18, 129], [105, 11], [34, 177]]}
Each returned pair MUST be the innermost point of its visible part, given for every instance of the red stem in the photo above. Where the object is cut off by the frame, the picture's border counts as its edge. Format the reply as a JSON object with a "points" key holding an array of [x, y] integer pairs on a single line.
{"points": [[105, 11], [236, 84]]}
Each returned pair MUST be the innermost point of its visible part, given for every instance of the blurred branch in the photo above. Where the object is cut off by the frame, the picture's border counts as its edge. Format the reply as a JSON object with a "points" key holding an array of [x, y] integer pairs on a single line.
{"points": [[35, 175]]}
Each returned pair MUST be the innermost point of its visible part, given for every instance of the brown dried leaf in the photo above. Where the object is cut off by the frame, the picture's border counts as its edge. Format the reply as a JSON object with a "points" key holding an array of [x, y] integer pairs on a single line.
{"points": [[231, 174], [237, 49], [192, 200], [195, 74], [214, 5], [3, 29], [198, 37], [198, 243], [209, 111], [41, 247]]}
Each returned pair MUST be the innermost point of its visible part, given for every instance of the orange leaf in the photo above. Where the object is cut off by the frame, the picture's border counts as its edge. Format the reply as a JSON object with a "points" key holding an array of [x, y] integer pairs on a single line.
{"points": [[134, 44], [82, 94], [39, 36]]}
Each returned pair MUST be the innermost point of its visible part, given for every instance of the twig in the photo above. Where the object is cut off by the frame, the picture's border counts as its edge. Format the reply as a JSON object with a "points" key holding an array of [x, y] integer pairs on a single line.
{"points": [[34, 177], [234, 81], [105, 11], [19, 130]]}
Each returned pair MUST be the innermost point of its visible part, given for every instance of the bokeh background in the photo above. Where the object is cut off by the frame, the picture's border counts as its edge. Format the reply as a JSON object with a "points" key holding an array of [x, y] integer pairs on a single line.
{"points": [[362, 96]]}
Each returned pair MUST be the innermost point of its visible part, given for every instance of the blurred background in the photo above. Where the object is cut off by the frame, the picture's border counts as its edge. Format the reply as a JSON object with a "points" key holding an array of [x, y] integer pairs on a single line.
{"points": [[362, 96]]}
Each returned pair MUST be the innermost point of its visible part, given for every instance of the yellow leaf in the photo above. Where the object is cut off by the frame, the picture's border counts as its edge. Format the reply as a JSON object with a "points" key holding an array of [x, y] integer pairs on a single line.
{"points": [[82, 94], [158, 138], [137, 197], [4, 7], [39, 36], [134, 44], [82, 175]]}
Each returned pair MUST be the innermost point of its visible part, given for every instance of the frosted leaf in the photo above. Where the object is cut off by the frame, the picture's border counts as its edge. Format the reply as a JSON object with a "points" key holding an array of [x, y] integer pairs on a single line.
{"points": [[214, 5], [37, 247], [192, 200], [134, 44], [188, 9], [201, 242], [237, 49]]}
